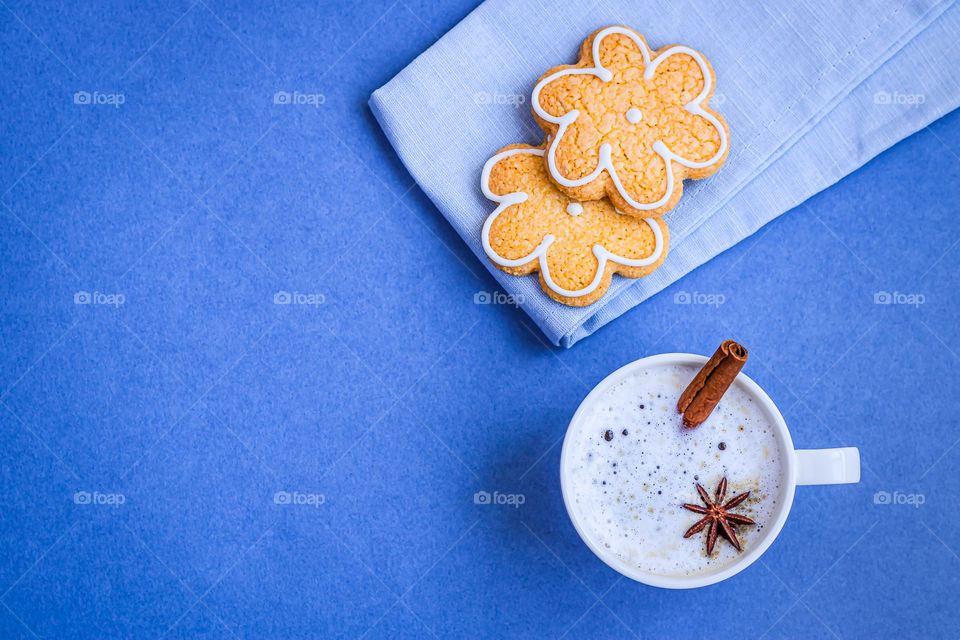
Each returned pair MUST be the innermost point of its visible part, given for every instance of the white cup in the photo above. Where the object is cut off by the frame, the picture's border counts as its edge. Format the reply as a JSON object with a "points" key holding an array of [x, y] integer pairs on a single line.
{"points": [[803, 467]]}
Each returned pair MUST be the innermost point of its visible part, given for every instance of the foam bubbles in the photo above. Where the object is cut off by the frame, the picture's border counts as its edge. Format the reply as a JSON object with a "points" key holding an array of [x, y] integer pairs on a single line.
{"points": [[633, 466]]}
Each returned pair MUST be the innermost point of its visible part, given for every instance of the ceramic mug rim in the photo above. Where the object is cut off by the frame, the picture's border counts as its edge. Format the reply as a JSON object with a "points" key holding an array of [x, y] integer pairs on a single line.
{"points": [[771, 530]]}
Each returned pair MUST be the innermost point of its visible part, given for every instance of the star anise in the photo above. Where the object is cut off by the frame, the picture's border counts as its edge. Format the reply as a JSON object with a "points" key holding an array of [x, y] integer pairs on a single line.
{"points": [[717, 516]]}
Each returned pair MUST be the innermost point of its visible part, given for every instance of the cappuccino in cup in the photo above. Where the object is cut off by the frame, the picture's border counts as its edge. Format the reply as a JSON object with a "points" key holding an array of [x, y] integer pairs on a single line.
{"points": [[631, 465]]}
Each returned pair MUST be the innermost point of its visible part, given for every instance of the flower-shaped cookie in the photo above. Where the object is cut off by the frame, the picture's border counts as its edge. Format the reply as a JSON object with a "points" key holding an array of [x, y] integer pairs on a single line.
{"points": [[629, 125], [576, 246]]}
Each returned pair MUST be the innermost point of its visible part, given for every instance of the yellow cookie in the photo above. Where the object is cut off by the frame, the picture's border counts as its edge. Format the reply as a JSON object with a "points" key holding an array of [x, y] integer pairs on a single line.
{"points": [[629, 124], [576, 246]]}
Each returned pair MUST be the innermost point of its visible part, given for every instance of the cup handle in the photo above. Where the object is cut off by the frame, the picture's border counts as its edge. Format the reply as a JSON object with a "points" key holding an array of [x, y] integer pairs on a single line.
{"points": [[828, 466]]}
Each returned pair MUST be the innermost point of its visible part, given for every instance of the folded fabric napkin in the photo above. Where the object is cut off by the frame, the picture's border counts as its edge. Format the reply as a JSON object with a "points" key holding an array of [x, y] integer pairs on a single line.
{"points": [[811, 91]]}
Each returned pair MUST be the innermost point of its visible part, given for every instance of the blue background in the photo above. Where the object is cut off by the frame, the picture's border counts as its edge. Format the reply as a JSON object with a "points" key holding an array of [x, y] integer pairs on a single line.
{"points": [[198, 399]]}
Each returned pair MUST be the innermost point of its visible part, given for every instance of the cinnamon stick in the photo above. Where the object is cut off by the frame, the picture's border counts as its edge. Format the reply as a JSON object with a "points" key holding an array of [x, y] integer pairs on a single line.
{"points": [[703, 393]]}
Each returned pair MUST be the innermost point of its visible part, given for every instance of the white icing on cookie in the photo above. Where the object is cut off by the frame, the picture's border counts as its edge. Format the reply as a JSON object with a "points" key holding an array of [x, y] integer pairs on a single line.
{"points": [[605, 163], [634, 115], [540, 252], [574, 208]]}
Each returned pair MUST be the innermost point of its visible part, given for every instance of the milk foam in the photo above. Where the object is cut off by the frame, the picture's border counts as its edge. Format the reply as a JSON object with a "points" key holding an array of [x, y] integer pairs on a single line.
{"points": [[632, 464]]}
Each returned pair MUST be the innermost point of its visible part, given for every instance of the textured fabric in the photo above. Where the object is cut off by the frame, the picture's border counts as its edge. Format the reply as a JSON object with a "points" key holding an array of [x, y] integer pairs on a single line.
{"points": [[810, 90]]}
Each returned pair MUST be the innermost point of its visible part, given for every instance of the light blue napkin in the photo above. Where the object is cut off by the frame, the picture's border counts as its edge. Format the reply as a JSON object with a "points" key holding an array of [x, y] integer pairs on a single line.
{"points": [[810, 90]]}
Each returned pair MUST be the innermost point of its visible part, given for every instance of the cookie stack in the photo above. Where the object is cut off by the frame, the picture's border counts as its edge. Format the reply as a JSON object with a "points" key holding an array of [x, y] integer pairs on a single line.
{"points": [[623, 128]]}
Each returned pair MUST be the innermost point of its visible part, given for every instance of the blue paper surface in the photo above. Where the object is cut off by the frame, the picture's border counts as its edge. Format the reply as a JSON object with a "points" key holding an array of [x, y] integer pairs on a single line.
{"points": [[184, 455]]}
